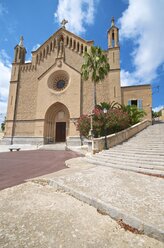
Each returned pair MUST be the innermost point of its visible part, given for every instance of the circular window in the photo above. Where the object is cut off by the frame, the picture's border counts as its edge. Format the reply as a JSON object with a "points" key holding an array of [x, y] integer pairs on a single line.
{"points": [[58, 81], [59, 84]]}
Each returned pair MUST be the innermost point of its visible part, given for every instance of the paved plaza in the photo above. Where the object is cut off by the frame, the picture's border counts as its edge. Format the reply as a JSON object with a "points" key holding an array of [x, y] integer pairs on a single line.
{"points": [[85, 201], [36, 216], [16, 167]]}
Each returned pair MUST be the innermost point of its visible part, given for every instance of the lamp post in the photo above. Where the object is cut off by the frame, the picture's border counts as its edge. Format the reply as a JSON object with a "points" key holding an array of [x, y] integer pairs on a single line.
{"points": [[105, 144], [91, 130], [90, 143]]}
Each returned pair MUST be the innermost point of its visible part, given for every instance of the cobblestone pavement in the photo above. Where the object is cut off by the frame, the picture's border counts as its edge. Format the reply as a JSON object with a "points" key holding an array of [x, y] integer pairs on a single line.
{"points": [[16, 167], [33, 215]]}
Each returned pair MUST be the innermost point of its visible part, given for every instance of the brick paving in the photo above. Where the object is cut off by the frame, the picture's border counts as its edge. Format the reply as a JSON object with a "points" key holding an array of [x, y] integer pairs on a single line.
{"points": [[16, 167]]}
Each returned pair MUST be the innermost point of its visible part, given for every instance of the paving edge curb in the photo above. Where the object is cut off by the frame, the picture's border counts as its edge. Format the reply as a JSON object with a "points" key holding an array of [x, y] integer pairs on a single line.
{"points": [[113, 212]]}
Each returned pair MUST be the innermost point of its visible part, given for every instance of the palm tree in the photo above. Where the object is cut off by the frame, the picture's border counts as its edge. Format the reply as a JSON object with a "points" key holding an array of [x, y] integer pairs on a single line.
{"points": [[95, 66], [109, 105]]}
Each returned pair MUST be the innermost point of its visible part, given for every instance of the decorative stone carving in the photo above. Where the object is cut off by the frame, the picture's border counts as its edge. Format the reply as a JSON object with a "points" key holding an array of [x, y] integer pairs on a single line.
{"points": [[59, 63]]}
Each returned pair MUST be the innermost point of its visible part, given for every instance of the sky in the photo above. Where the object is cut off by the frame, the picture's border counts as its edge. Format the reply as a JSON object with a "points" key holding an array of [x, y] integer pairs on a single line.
{"points": [[140, 24]]}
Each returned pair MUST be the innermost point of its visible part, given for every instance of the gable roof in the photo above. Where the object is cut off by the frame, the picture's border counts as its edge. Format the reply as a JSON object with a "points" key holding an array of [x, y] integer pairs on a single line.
{"points": [[67, 33]]}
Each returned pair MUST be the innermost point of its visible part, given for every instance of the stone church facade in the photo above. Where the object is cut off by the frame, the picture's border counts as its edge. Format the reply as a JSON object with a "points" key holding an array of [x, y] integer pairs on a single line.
{"points": [[48, 94]]}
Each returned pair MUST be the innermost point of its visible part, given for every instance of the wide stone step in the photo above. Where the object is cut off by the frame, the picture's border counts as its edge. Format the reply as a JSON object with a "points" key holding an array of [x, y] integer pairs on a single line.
{"points": [[142, 153], [131, 151], [148, 143], [128, 167], [146, 149], [131, 162], [137, 157], [138, 149], [144, 141], [149, 137]]}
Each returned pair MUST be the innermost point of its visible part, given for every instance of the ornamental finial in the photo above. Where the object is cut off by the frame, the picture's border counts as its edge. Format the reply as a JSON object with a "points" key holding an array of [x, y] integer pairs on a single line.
{"points": [[112, 23], [21, 42]]}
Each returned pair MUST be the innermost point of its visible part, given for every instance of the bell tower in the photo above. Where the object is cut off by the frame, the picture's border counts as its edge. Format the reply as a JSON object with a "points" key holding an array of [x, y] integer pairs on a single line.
{"points": [[114, 61], [19, 52], [113, 46], [113, 35]]}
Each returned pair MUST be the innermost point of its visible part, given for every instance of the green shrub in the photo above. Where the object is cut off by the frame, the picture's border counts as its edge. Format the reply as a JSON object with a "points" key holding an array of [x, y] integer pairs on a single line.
{"points": [[134, 113], [84, 125], [117, 118]]}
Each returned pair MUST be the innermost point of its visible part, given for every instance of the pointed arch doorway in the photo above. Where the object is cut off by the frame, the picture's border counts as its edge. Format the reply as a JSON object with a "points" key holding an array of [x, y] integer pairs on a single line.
{"points": [[56, 125]]}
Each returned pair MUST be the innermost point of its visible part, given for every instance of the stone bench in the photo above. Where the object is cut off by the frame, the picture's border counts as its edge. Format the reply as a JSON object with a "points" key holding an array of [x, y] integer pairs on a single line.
{"points": [[14, 149]]}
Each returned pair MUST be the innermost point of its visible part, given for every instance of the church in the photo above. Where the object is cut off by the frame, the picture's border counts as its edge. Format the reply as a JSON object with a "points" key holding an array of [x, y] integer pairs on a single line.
{"points": [[48, 95]]}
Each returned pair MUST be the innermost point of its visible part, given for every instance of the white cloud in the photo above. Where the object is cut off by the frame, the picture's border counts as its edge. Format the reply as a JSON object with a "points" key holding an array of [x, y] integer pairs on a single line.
{"points": [[142, 22], [156, 109], [127, 78], [78, 13], [5, 69], [35, 47], [4, 58], [3, 10]]}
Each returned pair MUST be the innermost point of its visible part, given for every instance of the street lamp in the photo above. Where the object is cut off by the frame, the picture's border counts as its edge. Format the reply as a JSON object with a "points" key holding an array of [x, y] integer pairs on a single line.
{"points": [[91, 130], [105, 144]]}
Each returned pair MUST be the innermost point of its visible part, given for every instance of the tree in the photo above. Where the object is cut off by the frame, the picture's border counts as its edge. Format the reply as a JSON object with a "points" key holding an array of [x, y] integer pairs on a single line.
{"points": [[134, 113], [3, 124], [156, 114], [109, 105], [95, 66]]}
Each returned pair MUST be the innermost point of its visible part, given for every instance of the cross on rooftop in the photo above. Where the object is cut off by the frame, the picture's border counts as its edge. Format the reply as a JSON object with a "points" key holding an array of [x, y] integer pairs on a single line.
{"points": [[63, 23]]}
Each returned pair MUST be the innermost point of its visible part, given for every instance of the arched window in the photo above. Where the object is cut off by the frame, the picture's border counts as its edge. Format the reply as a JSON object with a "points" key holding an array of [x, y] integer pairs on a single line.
{"points": [[74, 44], [85, 48], [51, 47], [16, 54], [70, 43], [78, 46], [40, 55], [67, 41], [54, 42], [37, 59], [47, 49], [113, 38], [44, 53], [81, 48]]}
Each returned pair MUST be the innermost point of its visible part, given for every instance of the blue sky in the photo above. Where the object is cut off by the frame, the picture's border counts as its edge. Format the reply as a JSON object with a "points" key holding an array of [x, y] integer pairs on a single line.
{"points": [[141, 35]]}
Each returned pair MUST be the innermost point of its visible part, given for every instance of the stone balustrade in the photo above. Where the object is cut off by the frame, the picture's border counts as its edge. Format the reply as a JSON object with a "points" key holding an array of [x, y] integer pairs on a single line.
{"points": [[117, 138]]}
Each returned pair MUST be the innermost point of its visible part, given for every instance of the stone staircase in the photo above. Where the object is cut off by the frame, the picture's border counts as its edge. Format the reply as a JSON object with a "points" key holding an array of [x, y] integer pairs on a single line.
{"points": [[144, 153]]}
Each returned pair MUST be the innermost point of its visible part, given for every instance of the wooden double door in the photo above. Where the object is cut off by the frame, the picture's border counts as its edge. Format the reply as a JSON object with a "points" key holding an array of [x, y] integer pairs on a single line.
{"points": [[60, 132]]}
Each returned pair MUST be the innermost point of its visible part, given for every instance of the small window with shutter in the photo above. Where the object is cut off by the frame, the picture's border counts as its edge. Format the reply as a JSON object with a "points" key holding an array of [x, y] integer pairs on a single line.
{"points": [[135, 102], [139, 103]]}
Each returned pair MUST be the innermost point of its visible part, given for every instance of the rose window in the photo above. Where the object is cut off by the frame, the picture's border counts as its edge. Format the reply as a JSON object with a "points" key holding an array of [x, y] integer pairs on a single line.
{"points": [[58, 81]]}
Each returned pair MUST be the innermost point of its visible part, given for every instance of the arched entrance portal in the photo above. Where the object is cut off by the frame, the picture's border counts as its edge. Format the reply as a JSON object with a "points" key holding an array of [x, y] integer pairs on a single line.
{"points": [[56, 124]]}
